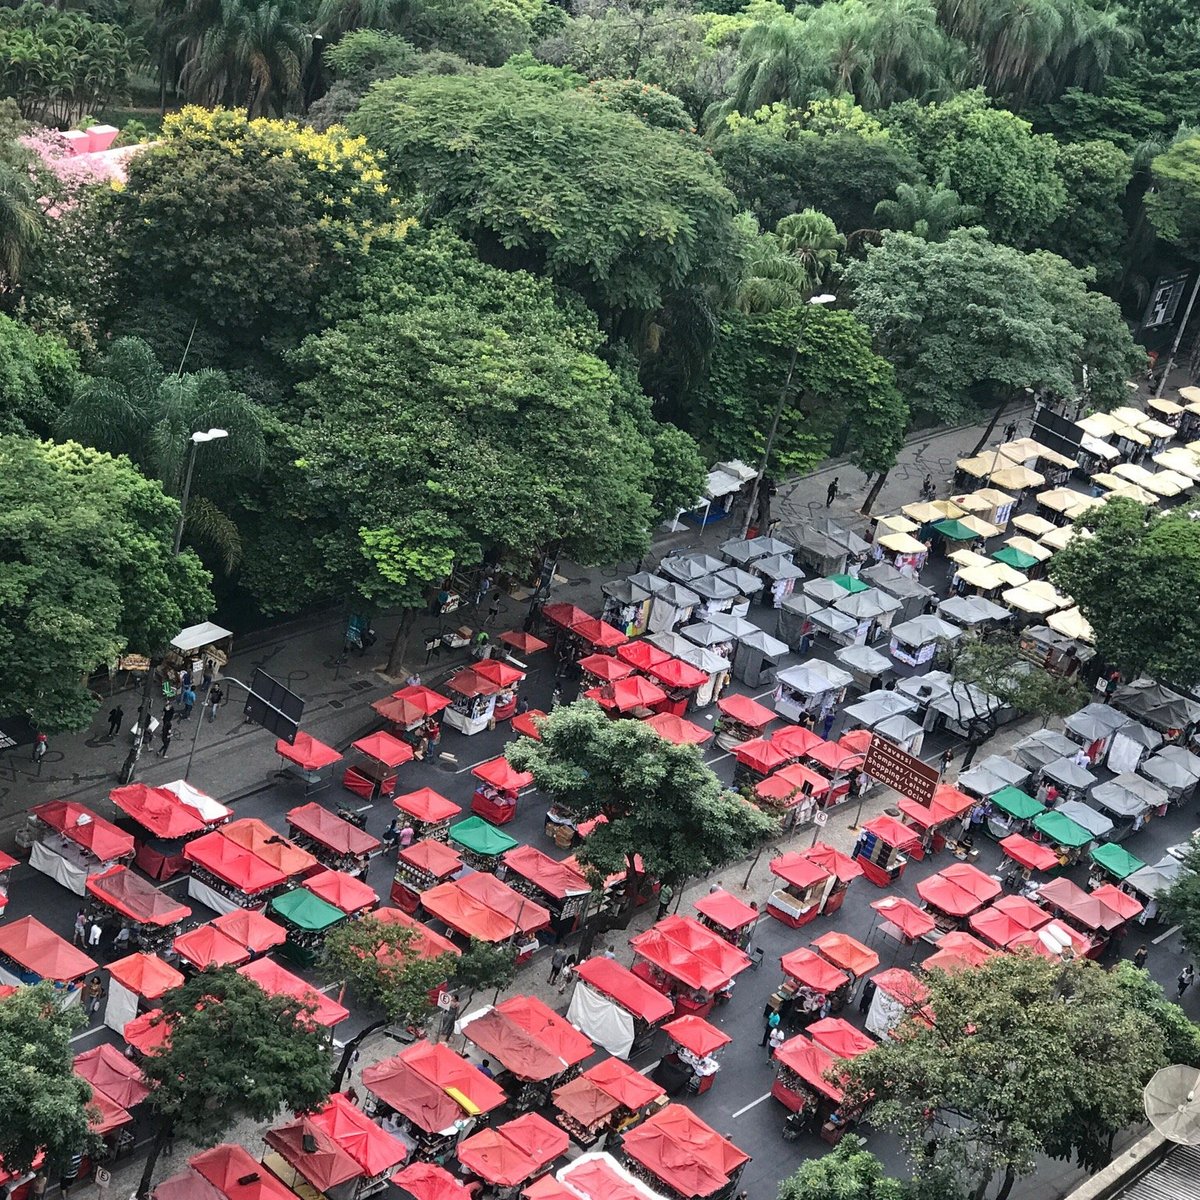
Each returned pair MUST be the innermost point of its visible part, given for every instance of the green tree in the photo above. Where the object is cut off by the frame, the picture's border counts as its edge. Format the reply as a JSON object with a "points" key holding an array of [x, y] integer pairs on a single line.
{"points": [[1133, 580], [130, 407], [850, 1172], [991, 158], [928, 212], [1141, 991], [1174, 201], [970, 1086], [38, 376], [661, 801], [481, 31], [656, 107], [777, 61], [966, 321], [1182, 902], [1091, 231], [21, 225], [559, 184], [484, 966], [89, 574], [233, 1052], [45, 1102]]}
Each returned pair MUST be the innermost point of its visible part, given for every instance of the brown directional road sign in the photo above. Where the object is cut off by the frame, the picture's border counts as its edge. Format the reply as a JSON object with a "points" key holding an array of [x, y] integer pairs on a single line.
{"points": [[887, 763]]}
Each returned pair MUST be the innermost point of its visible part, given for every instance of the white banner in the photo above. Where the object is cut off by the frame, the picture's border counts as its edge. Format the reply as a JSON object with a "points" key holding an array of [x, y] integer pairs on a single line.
{"points": [[122, 1006], [72, 877], [604, 1022]]}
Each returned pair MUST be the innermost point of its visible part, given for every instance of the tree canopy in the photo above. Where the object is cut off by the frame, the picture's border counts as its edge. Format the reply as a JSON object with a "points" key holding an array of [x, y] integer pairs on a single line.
{"points": [[1174, 202], [660, 800], [1182, 901], [848, 1172], [89, 574], [38, 376], [1133, 580]]}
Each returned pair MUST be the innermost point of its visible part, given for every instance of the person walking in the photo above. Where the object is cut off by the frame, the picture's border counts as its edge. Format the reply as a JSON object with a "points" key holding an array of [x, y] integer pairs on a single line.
{"points": [[827, 718], [216, 698], [407, 833], [558, 960], [80, 935], [771, 1022], [1010, 431], [391, 835], [567, 975], [831, 492], [93, 994], [1139, 957], [493, 609], [189, 701], [1186, 978], [41, 744], [777, 1038], [116, 715], [665, 895], [164, 736]]}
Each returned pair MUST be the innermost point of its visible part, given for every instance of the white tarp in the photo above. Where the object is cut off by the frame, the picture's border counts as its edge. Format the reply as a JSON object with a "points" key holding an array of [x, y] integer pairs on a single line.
{"points": [[69, 874], [884, 1015], [597, 1017], [1125, 754], [206, 895], [570, 1176], [197, 637], [122, 1006], [203, 805]]}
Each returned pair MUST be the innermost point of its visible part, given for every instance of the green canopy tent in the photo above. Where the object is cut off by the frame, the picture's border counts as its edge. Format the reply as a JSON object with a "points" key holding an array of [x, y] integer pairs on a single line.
{"points": [[1062, 831], [1017, 559], [848, 582], [1017, 804], [307, 918], [1116, 860], [481, 842], [955, 531]]}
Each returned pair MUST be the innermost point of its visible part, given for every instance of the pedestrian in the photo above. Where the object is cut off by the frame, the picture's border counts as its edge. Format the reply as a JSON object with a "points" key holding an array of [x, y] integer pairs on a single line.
{"points": [[831, 492], [1139, 957], [771, 1022], [95, 933], [1080, 758], [485, 586], [406, 835], [189, 702], [80, 928], [391, 835], [116, 715], [164, 736], [611, 952], [868, 994], [450, 1016], [207, 678], [827, 718], [421, 749], [216, 698], [93, 994], [568, 973], [485, 1068], [41, 744], [168, 1129], [1010, 431], [1110, 686], [522, 706], [37, 1189], [558, 960], [1186, 978], [862, 781], [1042, 791], [493, 609], [121, 941], [777, 1038], [947, 759], [1051, 796], [714, 887], [556, 697], [434, 730], [665, 895]]}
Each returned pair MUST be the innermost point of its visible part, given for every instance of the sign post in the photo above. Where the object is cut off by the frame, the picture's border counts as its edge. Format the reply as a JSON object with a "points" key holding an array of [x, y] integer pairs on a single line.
{"points": [[904, 772]]}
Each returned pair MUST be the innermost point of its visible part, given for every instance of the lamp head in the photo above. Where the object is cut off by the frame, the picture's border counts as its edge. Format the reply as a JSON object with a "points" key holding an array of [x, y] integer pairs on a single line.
{"points": [[209, 435]]}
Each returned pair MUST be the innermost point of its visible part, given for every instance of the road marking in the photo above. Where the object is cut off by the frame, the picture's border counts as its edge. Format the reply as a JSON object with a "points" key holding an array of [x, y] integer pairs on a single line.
{"points": [[89, 1032], [719, 758], [476, 764], [752, 1104], [649, 1067], [183, 878], [1162, 937], [764, 695]]}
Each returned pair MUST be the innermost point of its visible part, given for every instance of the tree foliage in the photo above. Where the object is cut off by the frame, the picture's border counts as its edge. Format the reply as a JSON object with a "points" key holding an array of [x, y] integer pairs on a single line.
{"points": [[1090, 231], [1133, 580], [46, 1105], [849, 1172], [89, 575], [1018, 1057], [1174, 202], [1182, 901], [660, 800], [38, 376]]}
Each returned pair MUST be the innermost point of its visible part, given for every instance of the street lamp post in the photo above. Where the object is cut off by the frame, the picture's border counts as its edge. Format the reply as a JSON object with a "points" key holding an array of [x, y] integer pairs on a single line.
{"points": [[199, 438], [824, 298]]}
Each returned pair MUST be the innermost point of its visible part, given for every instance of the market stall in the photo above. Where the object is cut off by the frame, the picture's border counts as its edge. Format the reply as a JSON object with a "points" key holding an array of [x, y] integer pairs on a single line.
{"points": [[472, 701], [117, 1088], [517, 641], [616, 1008], [808, 688], [419, 867], [849, 955], [480, 906], [1007, 919], [584, 1111], [275, 981], [428, 812], [841, 869], [308, 760], [673, 606], [915, 642], [252, 931], [411, 710], [679, 1155], [627, 605], [883, 848], [1073, 781], [7, 862], [161, 823], [428, 1181], [868, 667], [1010, 811], [687, 962], [558, 887], [1114, 863], [913, 595], [482, 845], [696, 1048], [958, 951], [598, 669], [31, 953], [636, 696], [933, 822], [117, 898], [954, 894], [1041, 747], [515, 1154], [1173, 776], [495, 796], [682, 683], [897, 994], [637, 1095], [225, 876], [756, 759], [901, 921], [1023, 857], [377, 1153], [741, 720], [206, 948], [1068, 840], [307, 919], [1150, 882], [1096, 823], [802, 1085], [1097, 917], [134, 984], [727, 916], [677, 730], [302, 1156], [334, 843], [71, 843], [779, 575], [1092, 727], [805, 884], [793, 793], [372, 773], [812, 987]]}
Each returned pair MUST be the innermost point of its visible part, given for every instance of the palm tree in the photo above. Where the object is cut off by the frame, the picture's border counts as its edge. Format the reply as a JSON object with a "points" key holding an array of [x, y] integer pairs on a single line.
{"points": [[20, 221], [130, 407], [812, 239], [335, 17], [929, 212]]}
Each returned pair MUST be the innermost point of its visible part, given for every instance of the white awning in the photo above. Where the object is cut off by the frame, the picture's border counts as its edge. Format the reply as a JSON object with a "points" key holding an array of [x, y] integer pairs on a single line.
{"points": [[196, 637]]}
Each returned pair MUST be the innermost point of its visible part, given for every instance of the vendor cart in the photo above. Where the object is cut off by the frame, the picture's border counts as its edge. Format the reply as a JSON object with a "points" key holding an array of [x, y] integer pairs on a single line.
{"points": [[584, 1111], [849, 955], [372, 773], [794, 793], [593, 635], [514, 1155], [1023, 857], [915, 642], [479, 906], [160, 823], [30, 953], [681, 682], [135, 983], [805, 883], [780, 576], [758, 758], [119, 899], [898, 994], [307, 919], [71, 843], [687, 962], [421, 866], [627, 605], [482, 845], [1114, 863], [677, 730], [308, 760], [728, 917], [636, 1094], [556, 886], [802, 1086], [1129, 801], [901, 921], [841, 869], [1097, 917], [933, 822], [598, 669], [809, 688], [616, 1008], [496, 793], [473, 701], [1011, 811], [741, 720], [334, 843], [697, 1044], [681, 1157], [635, 696], [225, 876], [812, 988], [252, 931], [428, 812], [882, 849], [421, 943], [275, 981], [954, 894]]}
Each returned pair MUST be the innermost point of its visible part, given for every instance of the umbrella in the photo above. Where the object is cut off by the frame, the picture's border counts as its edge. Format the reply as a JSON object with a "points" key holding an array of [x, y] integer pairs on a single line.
{"points": [[825, 590], [1172, 1103], [745, 582]]}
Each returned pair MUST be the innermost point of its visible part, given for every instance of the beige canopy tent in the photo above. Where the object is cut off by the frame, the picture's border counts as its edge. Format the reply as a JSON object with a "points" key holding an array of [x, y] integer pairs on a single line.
{"points": [[1163, 483], [978, 525], [1131, 433], [1179, 460], [1017, 478], [968, 558], [1070, 622], [994, 575], [1033, 525], [1067, 501], [1116, 486], [1156, 429], [1190, 394], [1029, 450], [899, 524], [1029, 546], [925, 511], [902, 543], [977, 467], [1162, 407], [1037, 596], [1062, 534], [1126, 415], [1100, 425]]}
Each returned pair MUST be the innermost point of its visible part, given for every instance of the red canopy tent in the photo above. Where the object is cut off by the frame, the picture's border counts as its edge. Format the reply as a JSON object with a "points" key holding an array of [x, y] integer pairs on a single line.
{"points": [[384, 748], [643, 655], [1122, 903], [307, 753], [491, 1156], [104, 1116], [160, 812], [274, 980], [250, 929], [206, 946], [909, 921], [145, 974], [796, 740], [502, 674], [427, 1181], [342, 891], [1033, 855], [479, 905], [1088, 910], [857, 741], [564, 615], [424, 943], [841, 867], [373, 775], [85, 828], [1029, 940], [424, 700], [376, 1152], [1000, 926], [958, 951], [471, 683], [598, 633], [133, 897], [514, 1048], [312, 1154], [846, 953], [1023, 911], [630, 1088], [618, 983], [427, 807], [628, 694], [726, 911], [677, 1147], [266, 844], [185, 1186], [236, 1175], [526, 723], [523, 643], [676, 674], [810, 1063], [40, 951], [835, 758], [606, 668], [558, 880], [696, 1034], [677, 730], [502, 775], [543, 1023], [110, 1072], [744, 711], [684, 950], [791, 785], [148, 1032], [949, 897], [839, 1037], [229, 862], [882, 847], [437, 1063], [761, 756], [806, 883], [812, 971], [330, 831]]}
